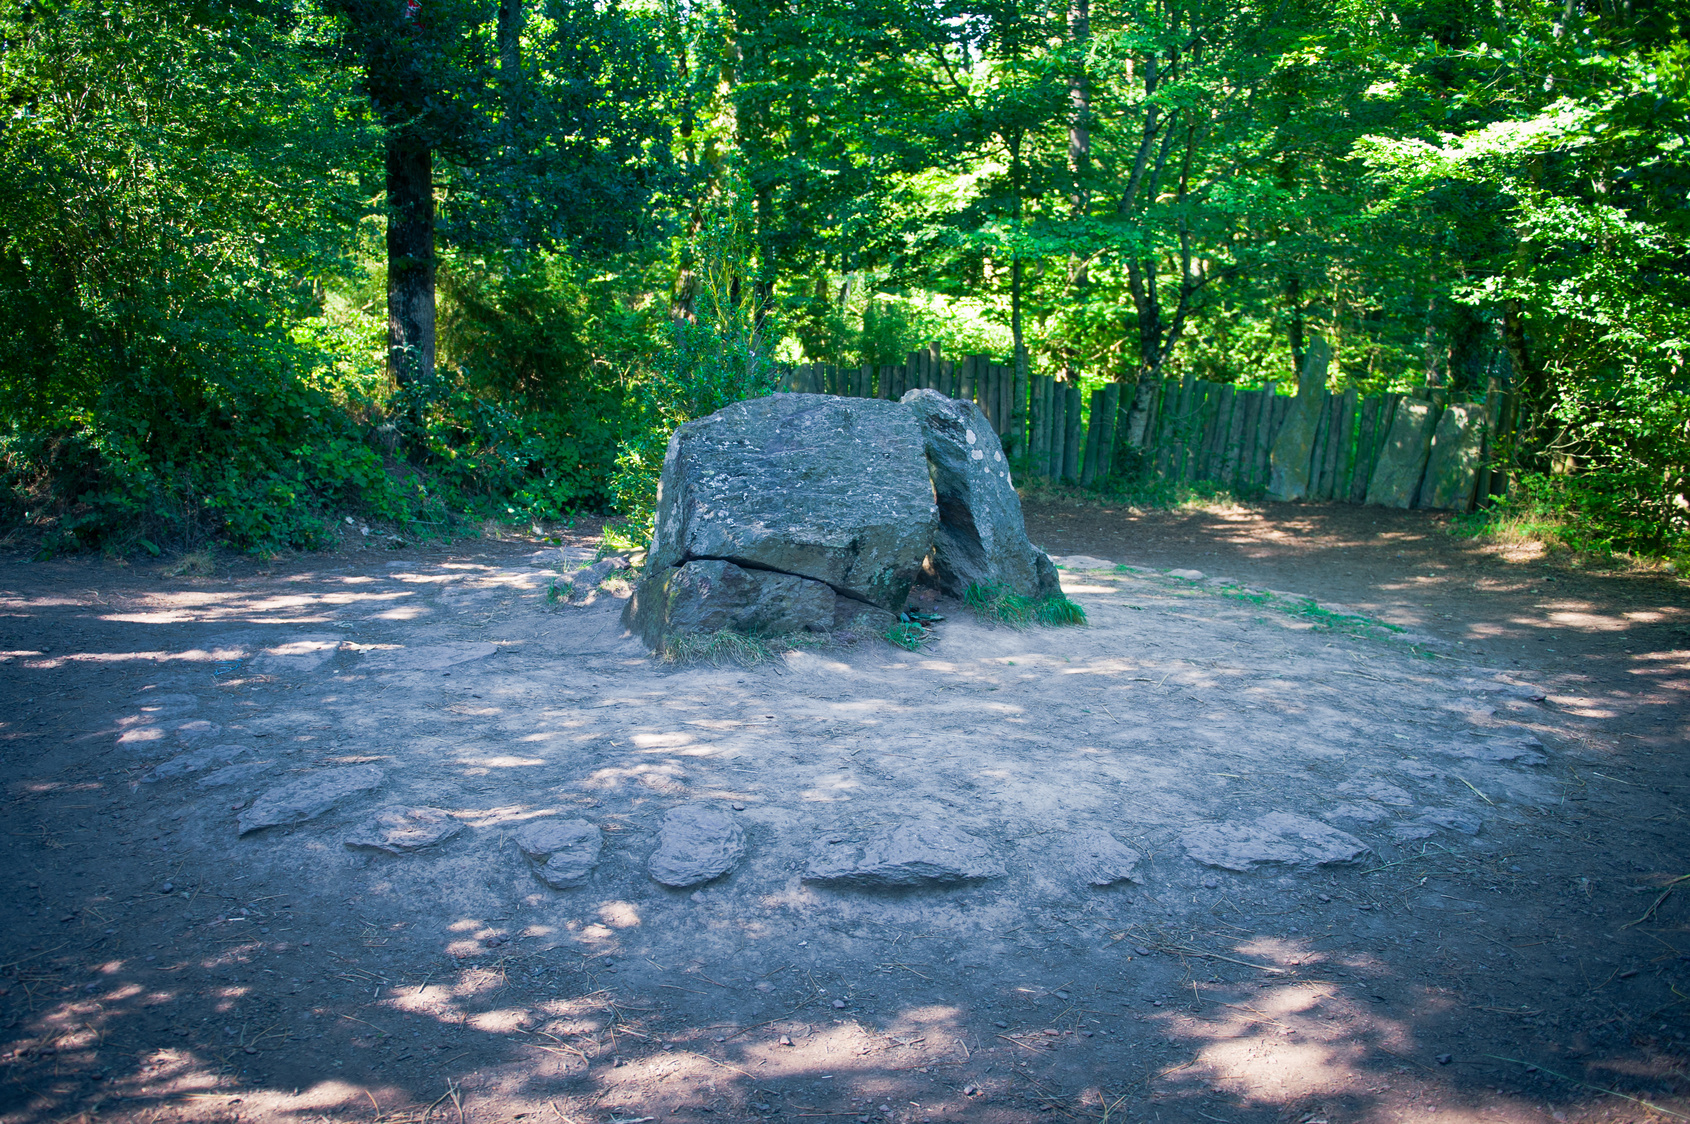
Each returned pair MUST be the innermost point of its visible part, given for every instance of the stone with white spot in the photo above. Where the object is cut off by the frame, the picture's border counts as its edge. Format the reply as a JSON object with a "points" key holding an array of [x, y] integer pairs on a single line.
{"points": [[697, 843], [564, 851], [308, 797], [399, 830], [166, 705], [1099, 859], [299, 655], [196, 730], [1188, 575], [909, 855], [1278, 839]]}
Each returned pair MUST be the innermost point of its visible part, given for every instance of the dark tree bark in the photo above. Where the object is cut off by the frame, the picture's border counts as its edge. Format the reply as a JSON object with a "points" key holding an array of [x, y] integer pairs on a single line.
{"points": [[410, 261]]}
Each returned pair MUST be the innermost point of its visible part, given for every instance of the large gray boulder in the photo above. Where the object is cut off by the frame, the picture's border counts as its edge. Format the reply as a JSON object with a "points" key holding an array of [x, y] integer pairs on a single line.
{"points": [[982, 539], [830, 490], [712, 595]]}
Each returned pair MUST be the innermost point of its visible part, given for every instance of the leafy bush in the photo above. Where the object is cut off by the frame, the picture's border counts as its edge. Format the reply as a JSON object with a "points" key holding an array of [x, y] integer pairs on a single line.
{"points": [[722, 354]]}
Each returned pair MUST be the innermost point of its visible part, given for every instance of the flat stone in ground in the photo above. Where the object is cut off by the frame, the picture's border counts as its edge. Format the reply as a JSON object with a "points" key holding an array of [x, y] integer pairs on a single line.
{"points": [[904, 856], [300, 655], [192, 762], [1276, 839], [398, 830], [197, 730], [697, 842], [564, 851], [1509, 751], [235, 774], [1082, 562], [166, 705], [308, 797], [1100, 859], [429, 657]]}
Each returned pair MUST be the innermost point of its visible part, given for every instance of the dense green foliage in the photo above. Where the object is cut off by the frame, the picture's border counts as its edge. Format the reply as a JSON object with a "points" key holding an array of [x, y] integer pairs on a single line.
{"points": [[637, 209]]}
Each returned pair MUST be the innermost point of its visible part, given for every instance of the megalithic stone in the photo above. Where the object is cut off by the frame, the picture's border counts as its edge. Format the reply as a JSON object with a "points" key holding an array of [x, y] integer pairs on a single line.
{"points": [[1452, 472], [1293, 449], [1403, 455]]}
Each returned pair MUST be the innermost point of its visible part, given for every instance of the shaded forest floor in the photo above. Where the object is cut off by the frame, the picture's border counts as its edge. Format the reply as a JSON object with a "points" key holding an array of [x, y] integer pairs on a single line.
{"points": [[1511, 749]]}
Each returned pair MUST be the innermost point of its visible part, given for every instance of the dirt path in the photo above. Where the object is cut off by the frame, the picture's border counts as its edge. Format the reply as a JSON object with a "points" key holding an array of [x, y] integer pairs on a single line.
{"points": [[1366, 867]]}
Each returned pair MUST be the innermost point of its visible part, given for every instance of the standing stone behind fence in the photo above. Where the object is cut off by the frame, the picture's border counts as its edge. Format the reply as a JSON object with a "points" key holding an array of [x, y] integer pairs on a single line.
{"points": [[1293, 450], [1402, 458], [1458, 448]]}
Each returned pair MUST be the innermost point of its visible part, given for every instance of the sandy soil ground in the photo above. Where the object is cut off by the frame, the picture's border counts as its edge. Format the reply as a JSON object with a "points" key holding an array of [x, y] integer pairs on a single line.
{"points": [[1494, 748]]}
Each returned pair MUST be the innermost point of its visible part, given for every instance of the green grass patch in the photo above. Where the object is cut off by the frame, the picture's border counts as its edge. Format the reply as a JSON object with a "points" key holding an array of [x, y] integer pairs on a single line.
{"points": [[1000, 603], [908, 635], [716, 649]]}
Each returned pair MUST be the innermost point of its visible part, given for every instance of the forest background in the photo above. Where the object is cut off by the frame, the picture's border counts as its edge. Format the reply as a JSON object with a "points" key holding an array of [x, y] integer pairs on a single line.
{"points": [[267, 262]]}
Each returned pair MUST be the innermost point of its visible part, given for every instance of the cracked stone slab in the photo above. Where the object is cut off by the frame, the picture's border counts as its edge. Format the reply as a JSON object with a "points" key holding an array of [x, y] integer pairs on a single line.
{"points": [[698, 842], [1500, 751], [1276, 839], [193, 761], [1099, 859], [308, 797], [564, 852], [398, 830], [904, 856]]}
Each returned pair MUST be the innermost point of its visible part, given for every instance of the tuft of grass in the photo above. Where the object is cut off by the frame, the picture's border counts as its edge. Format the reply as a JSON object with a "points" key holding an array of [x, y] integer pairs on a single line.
{"points": [[195, 563], [907, 635], [1000, 603], [717, 648]]}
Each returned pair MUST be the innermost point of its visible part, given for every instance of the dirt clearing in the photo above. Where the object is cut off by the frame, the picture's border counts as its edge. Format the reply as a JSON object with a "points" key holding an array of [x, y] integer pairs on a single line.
{"points": [[1404, 852]]}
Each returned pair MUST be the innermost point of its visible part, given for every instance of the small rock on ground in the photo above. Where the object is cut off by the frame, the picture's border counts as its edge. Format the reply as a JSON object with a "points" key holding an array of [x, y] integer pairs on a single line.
{"points": [[698, 842], [1100, 859], [399, 830], [308, 797], [908, 855], [1276, 839], [564, 851]]}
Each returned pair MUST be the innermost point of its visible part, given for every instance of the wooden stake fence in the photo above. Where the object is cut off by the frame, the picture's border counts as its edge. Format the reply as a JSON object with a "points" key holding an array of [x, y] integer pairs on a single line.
{"points": [[1363, 450]]}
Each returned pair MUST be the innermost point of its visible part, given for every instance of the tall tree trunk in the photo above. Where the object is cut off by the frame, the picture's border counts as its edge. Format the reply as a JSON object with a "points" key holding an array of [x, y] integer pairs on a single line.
{"points": [[410, 265], [510, 90], [1298, 330], [1079, 131], [1531, 387]]}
